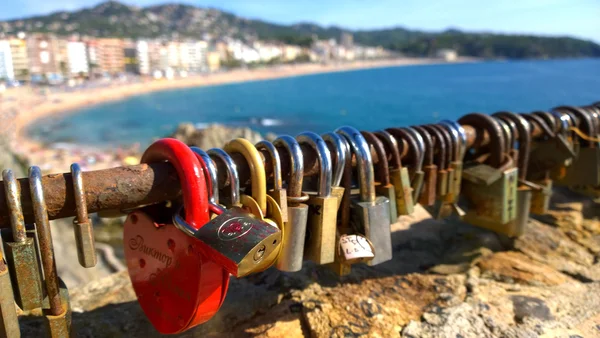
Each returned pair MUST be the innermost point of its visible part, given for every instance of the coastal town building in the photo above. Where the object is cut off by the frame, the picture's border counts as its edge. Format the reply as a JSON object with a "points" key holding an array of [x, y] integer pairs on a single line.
{"points": [[193, 56], [18, 51], [107, 55], [268, 51], [6, 63], [213, 60], [143, 57], [42, 55], [77, 58], [448, 55]]}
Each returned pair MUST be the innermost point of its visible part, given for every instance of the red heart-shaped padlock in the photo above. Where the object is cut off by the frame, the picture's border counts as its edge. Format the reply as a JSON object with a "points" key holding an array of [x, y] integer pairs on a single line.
{"points": [[177, 285]]}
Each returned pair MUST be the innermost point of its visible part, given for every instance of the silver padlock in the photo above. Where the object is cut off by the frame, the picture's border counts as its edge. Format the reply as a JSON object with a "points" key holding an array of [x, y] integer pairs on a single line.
{"points": [[84, 230], [21, 254], [211, 176], [232, 175], [292, 253], [370, 213]]}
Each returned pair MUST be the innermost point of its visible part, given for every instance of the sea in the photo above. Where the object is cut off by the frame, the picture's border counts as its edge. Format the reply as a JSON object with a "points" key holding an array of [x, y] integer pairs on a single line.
{"points": [[369, 99]]}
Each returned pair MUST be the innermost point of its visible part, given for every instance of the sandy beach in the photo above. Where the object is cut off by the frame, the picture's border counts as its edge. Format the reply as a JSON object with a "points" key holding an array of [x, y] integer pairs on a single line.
{"points": [[22, 106]]}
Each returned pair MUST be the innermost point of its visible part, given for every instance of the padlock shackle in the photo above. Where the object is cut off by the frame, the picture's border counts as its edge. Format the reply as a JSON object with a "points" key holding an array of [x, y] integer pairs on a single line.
{"points": [[360, 148], [428, 141], [415, 147], [191, 176], [258, 177], [441, 145], [44, 232], [79, 192], [460, 138], [341, 150], [13, 201], [450, 144], [584, 122], [232, 173], [210, 172], [390, 145], [324, 159], [507, 133], [595, 113], [494, 130], [524, 133], [547, 130], [275, 159], [382, 169], [296, 177]]}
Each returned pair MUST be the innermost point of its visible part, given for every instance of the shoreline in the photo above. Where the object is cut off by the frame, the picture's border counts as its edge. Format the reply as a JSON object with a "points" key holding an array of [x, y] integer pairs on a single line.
{"points": [[57, 104]]}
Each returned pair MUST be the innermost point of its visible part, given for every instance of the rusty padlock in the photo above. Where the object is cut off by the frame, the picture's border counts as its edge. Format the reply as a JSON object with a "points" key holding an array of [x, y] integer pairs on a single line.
{"points": [[82, 224], [416, 152], [429, 193], [338, 147], [383, 185], [9, 321], [177, 284]]}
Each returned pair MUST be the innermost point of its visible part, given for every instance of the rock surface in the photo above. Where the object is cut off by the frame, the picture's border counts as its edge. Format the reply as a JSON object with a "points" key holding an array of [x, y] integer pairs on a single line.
{"points": [[215, 135], [447, 279]]}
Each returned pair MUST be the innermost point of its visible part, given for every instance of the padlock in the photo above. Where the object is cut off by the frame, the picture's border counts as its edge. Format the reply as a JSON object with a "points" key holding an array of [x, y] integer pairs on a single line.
{"points": [[355, 249], [177, 285], [493, 205], [9, 322], [459, 138], [585, 169], [524, 191], [219, 155], [383, 187], [428, 195], [510, 132], [260, 204], [210, 173], [337, 145], [322, 206], [294, 234], [416, 152], [84, 230], [398, 174], [58, 314], [341, 266], [278, 193], [21, 254], [370, 213], [443, 206]]}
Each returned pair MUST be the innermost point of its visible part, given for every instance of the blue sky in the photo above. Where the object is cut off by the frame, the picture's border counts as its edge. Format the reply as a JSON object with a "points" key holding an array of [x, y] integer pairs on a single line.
{"points": [[578, 18]]}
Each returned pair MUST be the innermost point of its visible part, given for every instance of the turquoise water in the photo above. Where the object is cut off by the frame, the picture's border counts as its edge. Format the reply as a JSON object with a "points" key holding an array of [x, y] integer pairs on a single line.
{"points": [[367, 99]]}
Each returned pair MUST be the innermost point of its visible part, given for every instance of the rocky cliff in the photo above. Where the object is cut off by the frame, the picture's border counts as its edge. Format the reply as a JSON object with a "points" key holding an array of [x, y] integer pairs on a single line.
{"points": [[447, 279]]}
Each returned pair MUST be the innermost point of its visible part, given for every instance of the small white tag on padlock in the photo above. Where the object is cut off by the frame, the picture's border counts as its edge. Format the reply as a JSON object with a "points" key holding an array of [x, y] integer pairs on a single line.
{"points": [[356, 247]]}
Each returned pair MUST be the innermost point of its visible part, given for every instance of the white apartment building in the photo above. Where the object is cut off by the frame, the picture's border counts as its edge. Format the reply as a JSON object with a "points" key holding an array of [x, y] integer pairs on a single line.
{"points": [[242, 52], [193, 56], [77, 58], [268, 51], [143, 57], [6, 64]]}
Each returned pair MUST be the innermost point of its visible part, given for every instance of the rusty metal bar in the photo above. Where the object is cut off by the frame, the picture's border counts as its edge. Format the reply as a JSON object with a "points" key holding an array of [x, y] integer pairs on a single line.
{"points": [[132, 186]]}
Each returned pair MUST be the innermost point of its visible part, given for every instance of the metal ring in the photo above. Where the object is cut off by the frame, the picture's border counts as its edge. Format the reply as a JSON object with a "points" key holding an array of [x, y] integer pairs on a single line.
{"points": [[298, 199], [232, 173], [275, 159], [13, 200], [79, 190], [324, 158], [212, 174], [362, 152], [258, 177], [341, 148], [296, 165]]}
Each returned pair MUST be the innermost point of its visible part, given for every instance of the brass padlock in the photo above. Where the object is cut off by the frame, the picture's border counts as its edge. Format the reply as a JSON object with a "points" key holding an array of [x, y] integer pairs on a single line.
{"points": [[9, 322], [224, 161], [383, 185], [493, 205], [84, 230], [429, 193], [443, 206], [259, 203], [459, 139], [370, 213], [416, 151], [21, 254], [524, 191], [235, 239], [294, 234], [338, 146], [398, 174], [278, 193], [57, 314], [322, 206]]}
